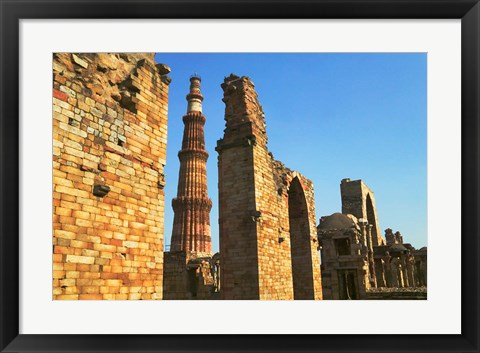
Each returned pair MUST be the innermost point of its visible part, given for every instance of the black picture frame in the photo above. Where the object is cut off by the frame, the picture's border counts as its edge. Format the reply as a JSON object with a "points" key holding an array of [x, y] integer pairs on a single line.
{"points": [[12, 11]]}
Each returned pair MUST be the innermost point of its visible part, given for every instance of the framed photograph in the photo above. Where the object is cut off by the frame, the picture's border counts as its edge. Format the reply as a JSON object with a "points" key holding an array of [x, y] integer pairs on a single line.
{"points": [[234, 176]]}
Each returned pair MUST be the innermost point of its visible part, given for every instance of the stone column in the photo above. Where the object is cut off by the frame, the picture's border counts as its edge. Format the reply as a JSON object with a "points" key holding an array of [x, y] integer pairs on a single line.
{"points": [[387, 266], [401, 278], [403, 262], [371, 262], [363, 227], [395, 273], [380, 273], [423, 266], [410, 269]]}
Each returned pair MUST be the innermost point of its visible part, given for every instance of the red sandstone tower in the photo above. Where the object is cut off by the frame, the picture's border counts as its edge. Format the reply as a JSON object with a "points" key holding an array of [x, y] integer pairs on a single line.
{"points": [[191, 224]]}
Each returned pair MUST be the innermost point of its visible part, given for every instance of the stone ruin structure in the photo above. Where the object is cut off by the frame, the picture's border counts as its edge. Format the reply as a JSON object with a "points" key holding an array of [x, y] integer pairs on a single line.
{"points": [[110, 134], [346, 271], [357, 263], [420, 268], [268, 242], [359, 200], [109, 151], [188, 268], [399, 264]]}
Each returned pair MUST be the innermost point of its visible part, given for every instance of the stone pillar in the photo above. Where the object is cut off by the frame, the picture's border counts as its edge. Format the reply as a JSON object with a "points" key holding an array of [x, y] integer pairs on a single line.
{"points": [[403, 262], [363, 227], [397, 273], [401, 278], [191, 225], [380, 273], [423, 267], [387, 265], [371, 261], [410, 265]]}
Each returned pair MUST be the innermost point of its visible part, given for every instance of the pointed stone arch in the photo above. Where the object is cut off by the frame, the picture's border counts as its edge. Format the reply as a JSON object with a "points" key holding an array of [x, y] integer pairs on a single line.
{"points": [[359, 200], [253, 205], [300, 242], [372, 217]]}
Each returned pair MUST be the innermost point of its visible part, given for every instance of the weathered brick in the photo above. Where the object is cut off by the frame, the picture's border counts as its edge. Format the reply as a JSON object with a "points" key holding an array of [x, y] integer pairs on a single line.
{"points": [[66, 297], [80, 259], [259, 252], [71, 191], [90, 231], [60, 95]]}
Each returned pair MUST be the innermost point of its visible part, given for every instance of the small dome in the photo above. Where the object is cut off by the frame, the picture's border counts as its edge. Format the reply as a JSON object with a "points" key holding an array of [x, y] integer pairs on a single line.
{"points": [[336, 221], [396, 248]]}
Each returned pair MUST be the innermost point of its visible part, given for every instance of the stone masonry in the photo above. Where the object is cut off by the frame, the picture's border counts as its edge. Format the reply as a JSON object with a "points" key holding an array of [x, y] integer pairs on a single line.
{"points": [[353, 266], [346, 270], [268, 243], [109, 151], [359, 200]]}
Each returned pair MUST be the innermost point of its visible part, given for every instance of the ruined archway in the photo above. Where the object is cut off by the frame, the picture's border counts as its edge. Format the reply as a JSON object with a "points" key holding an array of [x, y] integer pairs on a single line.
{"points": [[302, 270], [359, 200]]}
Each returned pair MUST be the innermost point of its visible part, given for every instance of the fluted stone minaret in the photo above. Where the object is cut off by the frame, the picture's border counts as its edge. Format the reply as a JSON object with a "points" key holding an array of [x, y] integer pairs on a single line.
{"points": [[191, 224]]}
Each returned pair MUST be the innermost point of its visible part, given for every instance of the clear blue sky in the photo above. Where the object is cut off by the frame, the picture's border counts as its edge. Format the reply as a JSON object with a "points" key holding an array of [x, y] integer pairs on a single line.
{"points": [[329, 116]]}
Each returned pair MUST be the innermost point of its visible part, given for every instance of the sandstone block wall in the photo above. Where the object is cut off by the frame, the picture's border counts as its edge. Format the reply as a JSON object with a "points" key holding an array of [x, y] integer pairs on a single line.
{"points": [[237, 221], [298, 223], [109, 132], [254, 204]]}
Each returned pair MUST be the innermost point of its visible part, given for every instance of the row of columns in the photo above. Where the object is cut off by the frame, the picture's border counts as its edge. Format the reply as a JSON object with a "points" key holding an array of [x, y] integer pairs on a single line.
{"points": [[389, 271]]}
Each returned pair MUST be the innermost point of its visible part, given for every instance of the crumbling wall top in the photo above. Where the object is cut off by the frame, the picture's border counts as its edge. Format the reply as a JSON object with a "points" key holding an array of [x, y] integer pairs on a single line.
{"points": [[242, 105], [107, 75]]}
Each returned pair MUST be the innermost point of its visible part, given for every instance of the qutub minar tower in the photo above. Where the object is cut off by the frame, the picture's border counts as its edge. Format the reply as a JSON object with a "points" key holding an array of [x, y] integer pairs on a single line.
{"points": [[191, 224]]}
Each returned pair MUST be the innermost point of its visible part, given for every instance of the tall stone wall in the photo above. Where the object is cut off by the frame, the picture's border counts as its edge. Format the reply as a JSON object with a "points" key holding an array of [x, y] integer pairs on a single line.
{"points": [[237, 203], [359, 200], [255, 234], [298, 223], [109, 151]]}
